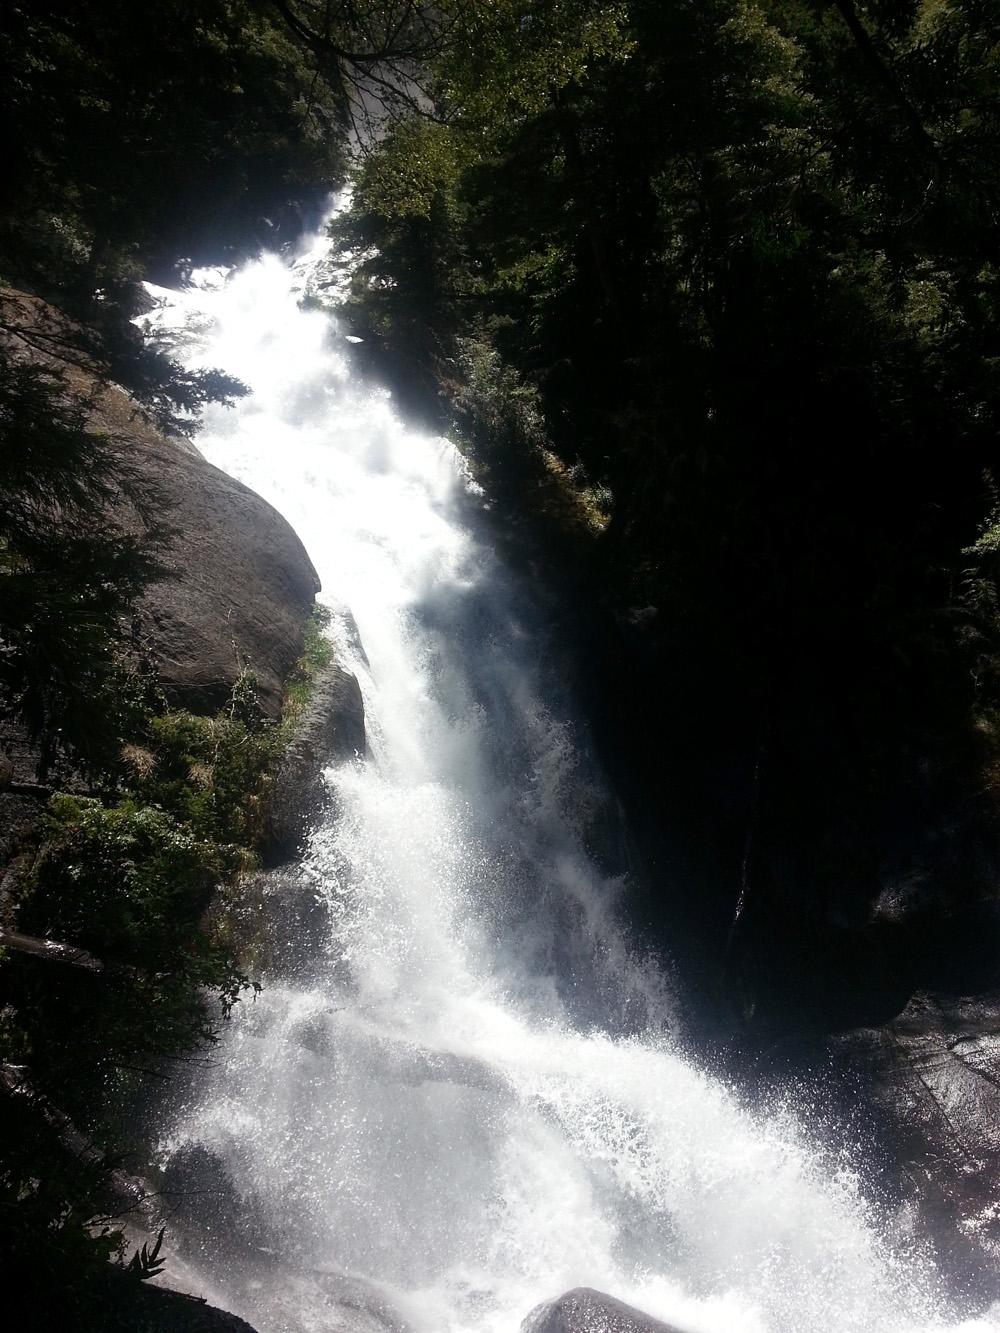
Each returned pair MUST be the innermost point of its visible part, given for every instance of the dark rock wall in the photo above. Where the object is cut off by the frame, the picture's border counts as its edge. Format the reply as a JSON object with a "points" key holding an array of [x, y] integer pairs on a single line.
{"points": [[931, 1078], [134, 1307], [857, 955], [787, 895]]}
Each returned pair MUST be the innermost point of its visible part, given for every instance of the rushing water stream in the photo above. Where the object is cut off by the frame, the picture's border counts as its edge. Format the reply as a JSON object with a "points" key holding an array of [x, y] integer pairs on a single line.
{"points": [[466, 1099]]}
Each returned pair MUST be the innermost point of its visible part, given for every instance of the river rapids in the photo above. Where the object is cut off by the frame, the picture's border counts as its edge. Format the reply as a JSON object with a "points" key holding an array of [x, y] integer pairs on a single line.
{"points": [[464, 1096]]}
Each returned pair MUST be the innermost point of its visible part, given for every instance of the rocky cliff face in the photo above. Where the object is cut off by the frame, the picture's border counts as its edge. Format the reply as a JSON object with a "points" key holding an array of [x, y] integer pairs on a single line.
{"points": [[241, 587], [240, 583], [931, 1079]]}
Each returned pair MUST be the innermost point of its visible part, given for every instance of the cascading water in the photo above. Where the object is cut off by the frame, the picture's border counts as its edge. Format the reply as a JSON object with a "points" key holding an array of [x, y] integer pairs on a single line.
{"points": [[466, 1100]]}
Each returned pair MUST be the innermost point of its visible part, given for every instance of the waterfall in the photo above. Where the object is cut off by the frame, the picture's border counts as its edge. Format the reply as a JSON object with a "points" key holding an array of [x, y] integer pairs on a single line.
{"points": [[466, 1097]]}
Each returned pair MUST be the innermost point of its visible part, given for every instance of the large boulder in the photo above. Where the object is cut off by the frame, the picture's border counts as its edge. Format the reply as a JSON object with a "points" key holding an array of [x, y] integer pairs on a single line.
{"points": [[158, 1310], [277, 921], [932, 1080], [584, 1310], [240, 590], [240, 584], [113, 1301]]}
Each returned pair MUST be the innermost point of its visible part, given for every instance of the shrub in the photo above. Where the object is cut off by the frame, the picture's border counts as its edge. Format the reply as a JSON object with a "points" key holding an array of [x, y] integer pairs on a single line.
{"points": [[316, 656], [129, 884]]}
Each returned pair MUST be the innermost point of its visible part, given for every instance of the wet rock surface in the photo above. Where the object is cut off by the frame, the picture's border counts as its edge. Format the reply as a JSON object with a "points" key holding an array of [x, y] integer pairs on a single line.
{"points": [[332, 729], [240, 590], [932, 1079], [277, 920], [211, 1217], [584, 1310]]}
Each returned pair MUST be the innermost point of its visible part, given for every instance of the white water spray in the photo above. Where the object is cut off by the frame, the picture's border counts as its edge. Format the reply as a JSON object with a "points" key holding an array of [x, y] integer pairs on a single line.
{"points": [[467, 1101]]}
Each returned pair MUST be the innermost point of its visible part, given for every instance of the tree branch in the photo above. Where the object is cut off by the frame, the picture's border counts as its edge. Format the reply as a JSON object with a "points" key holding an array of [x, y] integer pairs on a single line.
{"points": [[49, 950], [131, 1193], [887, 78]]}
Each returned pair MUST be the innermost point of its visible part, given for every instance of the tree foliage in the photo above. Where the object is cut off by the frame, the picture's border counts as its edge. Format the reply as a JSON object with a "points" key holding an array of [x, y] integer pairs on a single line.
{"points": [[742, 254], [151, 132], [128, 880], [69, 573], [141, 139]]}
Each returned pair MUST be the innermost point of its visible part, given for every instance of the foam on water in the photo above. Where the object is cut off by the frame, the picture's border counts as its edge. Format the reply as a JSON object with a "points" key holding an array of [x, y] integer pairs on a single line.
{"points": [[468, 1100]]}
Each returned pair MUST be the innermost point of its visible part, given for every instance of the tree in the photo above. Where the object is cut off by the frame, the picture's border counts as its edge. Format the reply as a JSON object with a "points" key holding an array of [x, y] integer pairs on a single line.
{"points": [[70, 575], [741, 252]]}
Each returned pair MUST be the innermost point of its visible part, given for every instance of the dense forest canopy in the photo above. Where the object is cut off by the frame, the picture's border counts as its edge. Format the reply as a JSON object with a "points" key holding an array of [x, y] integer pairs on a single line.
{"points": [[731, 264]]}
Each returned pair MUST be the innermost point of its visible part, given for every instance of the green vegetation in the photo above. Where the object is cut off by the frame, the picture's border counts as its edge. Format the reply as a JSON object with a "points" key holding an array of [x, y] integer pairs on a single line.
{"points": [[733, 263], [128, 880], [65, 587], [150, 134], [209, 773], [317, 654], [142, 140], [127, 883]]}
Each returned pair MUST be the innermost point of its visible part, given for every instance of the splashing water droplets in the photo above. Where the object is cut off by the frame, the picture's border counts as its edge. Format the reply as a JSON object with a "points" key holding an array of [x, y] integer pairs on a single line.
{"points": [[463, 1102]]}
